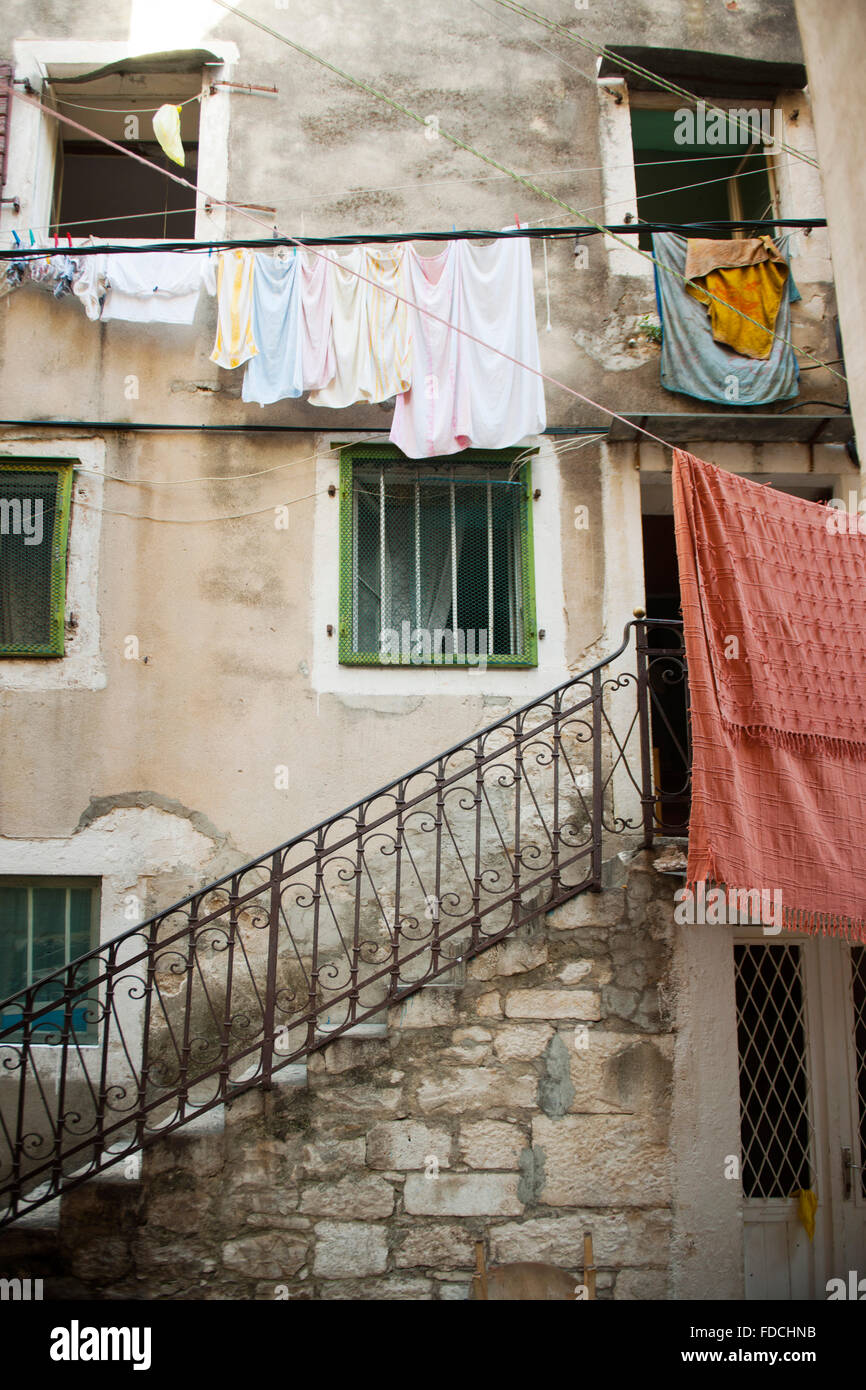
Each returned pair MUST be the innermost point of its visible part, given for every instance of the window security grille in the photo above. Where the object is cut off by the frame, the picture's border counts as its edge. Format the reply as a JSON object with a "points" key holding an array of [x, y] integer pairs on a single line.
{"points": [[774, 1083], [858, 983], [44, 924], [436, 563], [34, 524]]}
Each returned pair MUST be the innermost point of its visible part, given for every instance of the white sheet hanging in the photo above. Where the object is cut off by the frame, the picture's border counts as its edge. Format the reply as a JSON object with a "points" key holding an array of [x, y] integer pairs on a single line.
{"points": [[464, 395], [372, 342]]}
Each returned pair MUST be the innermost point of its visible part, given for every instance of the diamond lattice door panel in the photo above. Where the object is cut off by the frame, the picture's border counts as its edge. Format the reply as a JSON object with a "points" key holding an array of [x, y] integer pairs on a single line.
{"points": [[774, 1084], [801, 1041]]}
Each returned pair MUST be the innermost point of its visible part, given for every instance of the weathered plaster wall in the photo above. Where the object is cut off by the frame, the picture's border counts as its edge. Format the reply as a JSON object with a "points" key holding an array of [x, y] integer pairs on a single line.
{"points": [[834, 38]]}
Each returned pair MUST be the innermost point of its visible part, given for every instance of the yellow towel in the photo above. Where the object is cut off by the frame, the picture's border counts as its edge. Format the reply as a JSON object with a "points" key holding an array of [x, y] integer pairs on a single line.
{"points": [[755, 290]]}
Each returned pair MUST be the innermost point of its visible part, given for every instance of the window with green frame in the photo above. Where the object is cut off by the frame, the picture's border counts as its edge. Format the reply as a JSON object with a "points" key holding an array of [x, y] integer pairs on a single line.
{"points": [[44, 924], [702, 181], [436, 561], [34, 529]]}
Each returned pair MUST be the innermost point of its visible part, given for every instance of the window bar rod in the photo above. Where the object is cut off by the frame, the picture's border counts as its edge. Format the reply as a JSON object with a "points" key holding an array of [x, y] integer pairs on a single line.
{"points": [[417, 554], [383, 617], [454, 621], [489, 569]]}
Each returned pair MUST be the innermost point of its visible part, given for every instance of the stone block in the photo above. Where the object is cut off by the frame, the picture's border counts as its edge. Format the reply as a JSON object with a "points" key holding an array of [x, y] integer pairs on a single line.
{"points": [[406, 1144], [619, 1238], [601, 1161], [429, 1008], [553, 1003], [332, 1158], [491, 1144], [621, 1072], [435, 1247], [477, 1090], [397, 1288], [489, 1006], [518, 1042], [454, 1293], [574, 971], [462, 1194], [509, 957], [272, 1255], [349, 1250], [351, 1199], [643, 1284], [589, 910]]}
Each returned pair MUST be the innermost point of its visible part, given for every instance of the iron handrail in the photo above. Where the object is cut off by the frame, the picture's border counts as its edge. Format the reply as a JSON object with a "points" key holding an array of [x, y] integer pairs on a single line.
{"points": [[157, 1022]]}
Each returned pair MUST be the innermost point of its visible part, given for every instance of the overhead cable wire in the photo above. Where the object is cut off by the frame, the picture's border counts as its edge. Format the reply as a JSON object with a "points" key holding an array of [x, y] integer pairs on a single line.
{"points": [[601, 51], [488, 159]]}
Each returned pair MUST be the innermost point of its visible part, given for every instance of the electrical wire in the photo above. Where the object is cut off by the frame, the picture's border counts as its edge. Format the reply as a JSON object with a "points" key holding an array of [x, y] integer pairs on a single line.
{"points": [[601, 51], [487, 159], [199, 520], [129, 110]]}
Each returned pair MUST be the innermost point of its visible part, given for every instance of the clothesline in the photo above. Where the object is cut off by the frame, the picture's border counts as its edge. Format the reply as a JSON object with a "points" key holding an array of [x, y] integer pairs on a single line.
{"points": [[245, 212], [25, 252], [505, 357]]}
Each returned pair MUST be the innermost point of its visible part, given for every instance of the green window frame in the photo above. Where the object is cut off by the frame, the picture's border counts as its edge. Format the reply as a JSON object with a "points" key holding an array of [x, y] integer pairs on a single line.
{"points": [[33, 572], [46, 922], [421, 539]]}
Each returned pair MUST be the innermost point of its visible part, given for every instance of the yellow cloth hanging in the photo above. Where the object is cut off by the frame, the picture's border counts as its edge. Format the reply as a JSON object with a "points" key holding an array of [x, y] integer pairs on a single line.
{"points": [[755, 290], [807, 1205], [166, 128]]}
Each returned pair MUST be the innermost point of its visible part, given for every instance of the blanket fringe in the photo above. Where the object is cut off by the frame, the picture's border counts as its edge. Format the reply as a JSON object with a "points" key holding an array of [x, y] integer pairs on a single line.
{"points": [[853, 749], [794, 919]]}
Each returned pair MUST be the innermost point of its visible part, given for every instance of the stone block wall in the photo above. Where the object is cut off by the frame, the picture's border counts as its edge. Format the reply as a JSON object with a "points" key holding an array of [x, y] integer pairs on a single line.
{"points": [[526, 1106]]}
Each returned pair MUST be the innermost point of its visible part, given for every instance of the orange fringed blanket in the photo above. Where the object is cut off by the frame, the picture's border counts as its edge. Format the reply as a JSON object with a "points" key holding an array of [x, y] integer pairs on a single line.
{"points": [[774, 609]]}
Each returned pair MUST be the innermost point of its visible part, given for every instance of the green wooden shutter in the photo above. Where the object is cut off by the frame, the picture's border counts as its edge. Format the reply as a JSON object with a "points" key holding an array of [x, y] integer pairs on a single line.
{"points": [[34, 529]]}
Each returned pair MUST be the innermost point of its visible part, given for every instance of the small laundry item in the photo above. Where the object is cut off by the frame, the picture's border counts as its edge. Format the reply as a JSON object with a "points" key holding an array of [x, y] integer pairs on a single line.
{"points": [[694, 363], [372, 342], [704, 254], [742, 287], [230, 276], [807, 1205], [64, 271], [465, 394], [777, 697], [154, 286], [317, 328], [166, 128], [90, 285], [276, 373]]}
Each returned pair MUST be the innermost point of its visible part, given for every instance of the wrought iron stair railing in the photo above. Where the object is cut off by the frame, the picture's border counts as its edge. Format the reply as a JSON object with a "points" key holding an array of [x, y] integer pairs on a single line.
{"points": [[248, 976]]}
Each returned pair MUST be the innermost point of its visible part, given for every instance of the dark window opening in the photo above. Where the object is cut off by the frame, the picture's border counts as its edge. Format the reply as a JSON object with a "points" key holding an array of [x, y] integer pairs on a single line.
{"points": [[700, 181], [99, 191]]}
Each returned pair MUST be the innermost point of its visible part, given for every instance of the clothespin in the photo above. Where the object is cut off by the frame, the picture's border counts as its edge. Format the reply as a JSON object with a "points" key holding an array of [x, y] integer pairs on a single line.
{"points": [[69, 239], [56, 241], [17, 237], [32, 237]]}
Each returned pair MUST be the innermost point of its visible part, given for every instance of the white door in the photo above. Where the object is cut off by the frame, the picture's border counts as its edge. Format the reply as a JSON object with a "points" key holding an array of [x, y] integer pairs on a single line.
{"points": [[801, 1030]]}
